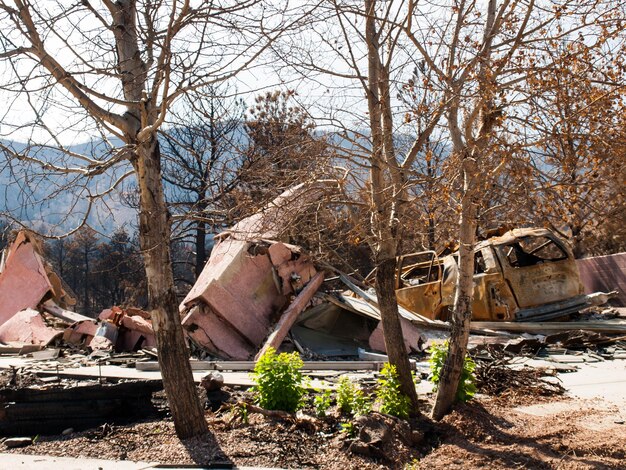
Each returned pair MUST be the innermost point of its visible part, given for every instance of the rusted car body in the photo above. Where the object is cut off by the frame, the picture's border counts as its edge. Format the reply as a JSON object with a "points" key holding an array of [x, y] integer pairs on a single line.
{"points": [[523, 275]]}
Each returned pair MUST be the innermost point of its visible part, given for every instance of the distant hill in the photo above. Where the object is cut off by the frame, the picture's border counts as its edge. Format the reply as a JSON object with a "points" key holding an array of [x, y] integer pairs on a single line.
{"points": [[53, 202]]}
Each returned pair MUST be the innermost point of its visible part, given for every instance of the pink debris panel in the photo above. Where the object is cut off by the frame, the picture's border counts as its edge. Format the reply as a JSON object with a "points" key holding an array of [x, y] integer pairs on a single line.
{"points": [[24, 281], [605, 274], [216, 336], [250, 278], [410, 332], [27, 326], [243, 288], [271, 221]]}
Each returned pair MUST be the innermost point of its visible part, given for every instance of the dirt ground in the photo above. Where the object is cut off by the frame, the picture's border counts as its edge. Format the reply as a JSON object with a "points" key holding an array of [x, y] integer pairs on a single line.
{"points": [[486, 433], [577, 434]]}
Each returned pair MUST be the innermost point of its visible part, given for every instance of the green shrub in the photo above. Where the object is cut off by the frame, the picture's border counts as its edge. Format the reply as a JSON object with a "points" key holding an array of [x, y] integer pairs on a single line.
{"points": [[280, 384], [345, 394], [351, 399], [322, 402], [467, 383], [361, 405], [392, 401], [348, 428]]}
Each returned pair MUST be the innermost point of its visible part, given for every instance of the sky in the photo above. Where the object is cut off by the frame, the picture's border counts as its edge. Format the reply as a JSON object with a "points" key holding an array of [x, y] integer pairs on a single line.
{"points": [[327, 97]]}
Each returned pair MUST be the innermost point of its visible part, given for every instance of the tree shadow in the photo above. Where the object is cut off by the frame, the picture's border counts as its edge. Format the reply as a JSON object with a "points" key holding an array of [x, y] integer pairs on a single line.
{"points": [[477, 426], [206, 451]]}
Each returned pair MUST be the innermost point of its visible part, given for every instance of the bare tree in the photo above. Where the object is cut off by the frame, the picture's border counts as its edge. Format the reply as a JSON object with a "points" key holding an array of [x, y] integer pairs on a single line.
{"points": [[364, 48], [117, 68], [201, 164], [571, 167], [473, 60], [482, 79]]}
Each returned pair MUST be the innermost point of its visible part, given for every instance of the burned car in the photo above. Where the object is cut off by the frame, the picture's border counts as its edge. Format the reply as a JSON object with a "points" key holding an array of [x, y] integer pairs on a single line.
{"points": [[524, 275]]}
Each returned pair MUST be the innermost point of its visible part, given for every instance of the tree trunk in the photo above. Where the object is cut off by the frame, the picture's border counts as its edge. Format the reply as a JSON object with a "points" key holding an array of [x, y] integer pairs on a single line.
{"points": [[392, 329], [200, 247], [462, 310], [471, 150], [86, 286], [201, 238], [385, 192], [154, 237]]}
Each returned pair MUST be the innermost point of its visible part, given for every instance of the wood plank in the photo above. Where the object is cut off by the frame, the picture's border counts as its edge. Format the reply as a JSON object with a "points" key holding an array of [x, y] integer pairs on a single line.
{"points": [[152, 366], [290, 315], [70, 317], [535, 327]]}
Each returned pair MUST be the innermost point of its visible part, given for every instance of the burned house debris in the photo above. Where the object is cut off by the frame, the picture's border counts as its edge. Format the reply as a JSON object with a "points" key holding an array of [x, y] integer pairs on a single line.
{"points": [[257, 289], [524, 275], [243, 285], [33, 294], [22, 265], [249, 279]]}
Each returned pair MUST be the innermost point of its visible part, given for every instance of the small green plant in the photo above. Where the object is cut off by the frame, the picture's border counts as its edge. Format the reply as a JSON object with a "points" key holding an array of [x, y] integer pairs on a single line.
{"points": [[362, 404], [322, 402], [467, 384], [241, 412], [351, 399], [348, 428], [412, 465], [345, 394], [280, 384], [392, 401]]}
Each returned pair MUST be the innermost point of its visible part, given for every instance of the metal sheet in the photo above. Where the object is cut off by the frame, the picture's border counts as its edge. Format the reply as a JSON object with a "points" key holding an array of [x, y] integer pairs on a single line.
{"points": [[605, 273], [27, 326], [23, 282]]}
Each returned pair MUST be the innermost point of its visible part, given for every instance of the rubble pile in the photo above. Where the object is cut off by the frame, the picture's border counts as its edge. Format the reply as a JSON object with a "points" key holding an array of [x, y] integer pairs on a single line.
{"points": [[495, 377], [258, 291], [33, 295]]}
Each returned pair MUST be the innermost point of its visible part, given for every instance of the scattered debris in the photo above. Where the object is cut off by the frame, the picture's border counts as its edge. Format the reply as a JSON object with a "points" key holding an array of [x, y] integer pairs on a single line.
{"points": [[603, 326], [14, 442], [24, 311], [495, 377]]}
